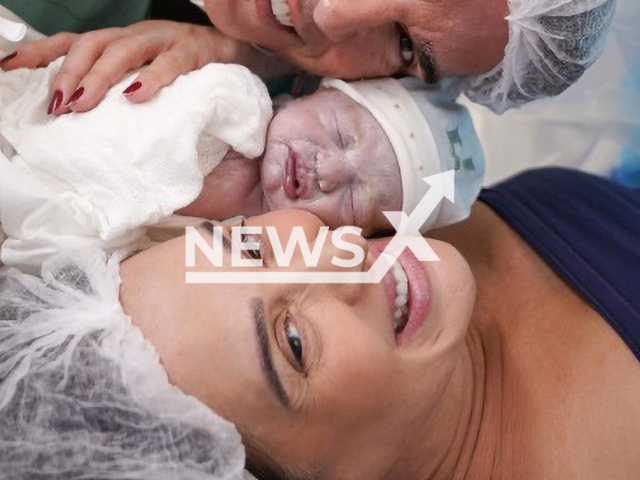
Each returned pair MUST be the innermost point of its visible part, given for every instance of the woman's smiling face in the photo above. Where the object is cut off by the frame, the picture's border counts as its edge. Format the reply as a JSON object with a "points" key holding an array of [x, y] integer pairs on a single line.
{"points": [[313, 375]]}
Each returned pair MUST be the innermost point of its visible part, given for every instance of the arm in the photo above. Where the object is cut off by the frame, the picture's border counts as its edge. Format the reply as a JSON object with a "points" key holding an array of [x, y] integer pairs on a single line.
{"points": [[98, 60]]}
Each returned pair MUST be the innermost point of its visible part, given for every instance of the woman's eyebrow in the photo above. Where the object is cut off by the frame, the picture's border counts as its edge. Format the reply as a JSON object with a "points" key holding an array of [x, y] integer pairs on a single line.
{"points": [[266, 360]]}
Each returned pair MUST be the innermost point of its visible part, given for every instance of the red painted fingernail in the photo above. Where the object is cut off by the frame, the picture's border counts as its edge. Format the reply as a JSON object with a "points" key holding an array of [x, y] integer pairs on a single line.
{"points": [[56, 101], [134, 87], [76, 96], [9, 57]]}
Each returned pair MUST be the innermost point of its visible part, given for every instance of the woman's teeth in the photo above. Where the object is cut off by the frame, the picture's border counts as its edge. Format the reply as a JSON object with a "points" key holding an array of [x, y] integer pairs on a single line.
{"points": [[282, 12], [401, 314]]}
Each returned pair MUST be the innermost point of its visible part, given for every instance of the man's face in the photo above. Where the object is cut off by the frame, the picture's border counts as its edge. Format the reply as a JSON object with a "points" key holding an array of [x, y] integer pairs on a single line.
{"points": [[370, 38], [328, 155]]}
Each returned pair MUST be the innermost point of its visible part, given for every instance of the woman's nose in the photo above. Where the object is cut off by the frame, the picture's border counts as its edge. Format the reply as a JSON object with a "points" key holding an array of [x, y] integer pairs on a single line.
{"points": [[345, 250], [341, 19], [345, 253]]}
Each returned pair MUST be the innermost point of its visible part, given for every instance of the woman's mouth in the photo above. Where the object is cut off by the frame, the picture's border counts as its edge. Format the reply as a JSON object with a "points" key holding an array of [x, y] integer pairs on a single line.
{"points": [[276, 13], [401, 303], [408, 292]]}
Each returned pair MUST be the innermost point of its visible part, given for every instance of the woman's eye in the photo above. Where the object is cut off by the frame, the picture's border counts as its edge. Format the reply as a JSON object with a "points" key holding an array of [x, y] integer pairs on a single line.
{"points": [[255, 254], [407, 51], [295, 342], [246, 238]]}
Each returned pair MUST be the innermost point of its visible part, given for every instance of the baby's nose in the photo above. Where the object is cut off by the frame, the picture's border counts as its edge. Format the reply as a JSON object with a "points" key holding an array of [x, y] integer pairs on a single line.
{"points": [[333, 171]]}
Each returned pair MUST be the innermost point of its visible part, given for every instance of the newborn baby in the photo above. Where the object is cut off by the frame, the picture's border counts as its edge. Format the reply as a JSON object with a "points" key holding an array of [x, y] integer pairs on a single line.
{"points": [[350, 152], [347, 154]]}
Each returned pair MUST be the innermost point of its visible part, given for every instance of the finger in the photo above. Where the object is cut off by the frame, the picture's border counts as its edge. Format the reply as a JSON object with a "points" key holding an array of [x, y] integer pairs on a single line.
{"points": [[82, 56], [162, 72], [122, 56], [40, 53]]}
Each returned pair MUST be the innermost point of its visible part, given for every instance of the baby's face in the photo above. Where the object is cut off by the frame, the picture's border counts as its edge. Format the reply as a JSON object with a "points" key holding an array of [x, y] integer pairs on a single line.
{"points": [[328, 155]]}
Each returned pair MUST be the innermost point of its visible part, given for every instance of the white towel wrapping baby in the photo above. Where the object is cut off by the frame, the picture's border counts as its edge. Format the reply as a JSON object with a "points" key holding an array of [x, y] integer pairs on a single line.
{"points": [[97, 178]]}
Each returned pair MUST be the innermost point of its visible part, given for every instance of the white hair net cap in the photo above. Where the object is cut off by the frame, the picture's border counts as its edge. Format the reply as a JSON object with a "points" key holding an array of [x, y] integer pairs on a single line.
{"points": [[83, 394], [430, 134], [551, 44]]}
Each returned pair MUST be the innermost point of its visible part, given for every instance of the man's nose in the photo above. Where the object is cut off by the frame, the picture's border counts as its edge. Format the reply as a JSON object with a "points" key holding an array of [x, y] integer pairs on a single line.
{"points": [[341, 19]]}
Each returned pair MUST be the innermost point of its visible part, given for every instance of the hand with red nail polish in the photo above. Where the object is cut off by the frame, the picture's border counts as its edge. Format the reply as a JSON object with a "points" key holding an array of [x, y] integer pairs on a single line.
{"points": [[134, 87], [8, 57], [96, 61], [55, 103], [75, 97]]}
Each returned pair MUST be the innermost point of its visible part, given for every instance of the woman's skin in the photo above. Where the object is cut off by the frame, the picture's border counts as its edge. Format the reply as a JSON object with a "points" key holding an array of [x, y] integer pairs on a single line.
{"points": [[511, 375], [339, 38], [326, 154]]}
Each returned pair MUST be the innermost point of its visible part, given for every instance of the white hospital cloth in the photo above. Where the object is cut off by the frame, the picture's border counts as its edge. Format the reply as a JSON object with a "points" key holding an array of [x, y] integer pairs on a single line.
{"points": [[96, 178]]}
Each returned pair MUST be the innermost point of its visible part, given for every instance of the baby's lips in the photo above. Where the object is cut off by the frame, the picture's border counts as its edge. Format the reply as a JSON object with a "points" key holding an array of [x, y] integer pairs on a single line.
{"points": [[289, 187], [289, 183]]}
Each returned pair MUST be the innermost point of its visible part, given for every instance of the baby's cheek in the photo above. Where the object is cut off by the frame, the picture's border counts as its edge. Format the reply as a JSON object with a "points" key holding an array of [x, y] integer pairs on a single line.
{"points": [[331, 212]]}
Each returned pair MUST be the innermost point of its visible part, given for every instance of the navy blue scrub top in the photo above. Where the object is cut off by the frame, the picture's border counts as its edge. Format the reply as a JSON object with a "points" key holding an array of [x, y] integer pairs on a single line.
{"points": [[587, 229]]}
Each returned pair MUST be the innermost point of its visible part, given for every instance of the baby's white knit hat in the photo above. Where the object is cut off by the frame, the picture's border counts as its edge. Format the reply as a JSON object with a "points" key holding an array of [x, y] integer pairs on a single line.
{"points": [[430, 133]]}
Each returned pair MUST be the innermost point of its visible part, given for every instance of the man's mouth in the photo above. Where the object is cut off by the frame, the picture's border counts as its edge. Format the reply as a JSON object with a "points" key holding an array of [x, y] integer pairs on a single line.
{"points": [[276, 13], [282, 12], [289, 16]]}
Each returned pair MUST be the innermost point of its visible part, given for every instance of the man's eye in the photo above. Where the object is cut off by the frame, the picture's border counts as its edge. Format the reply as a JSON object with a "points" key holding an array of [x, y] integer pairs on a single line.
{"points": [[295, 342], [407, 51]]}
